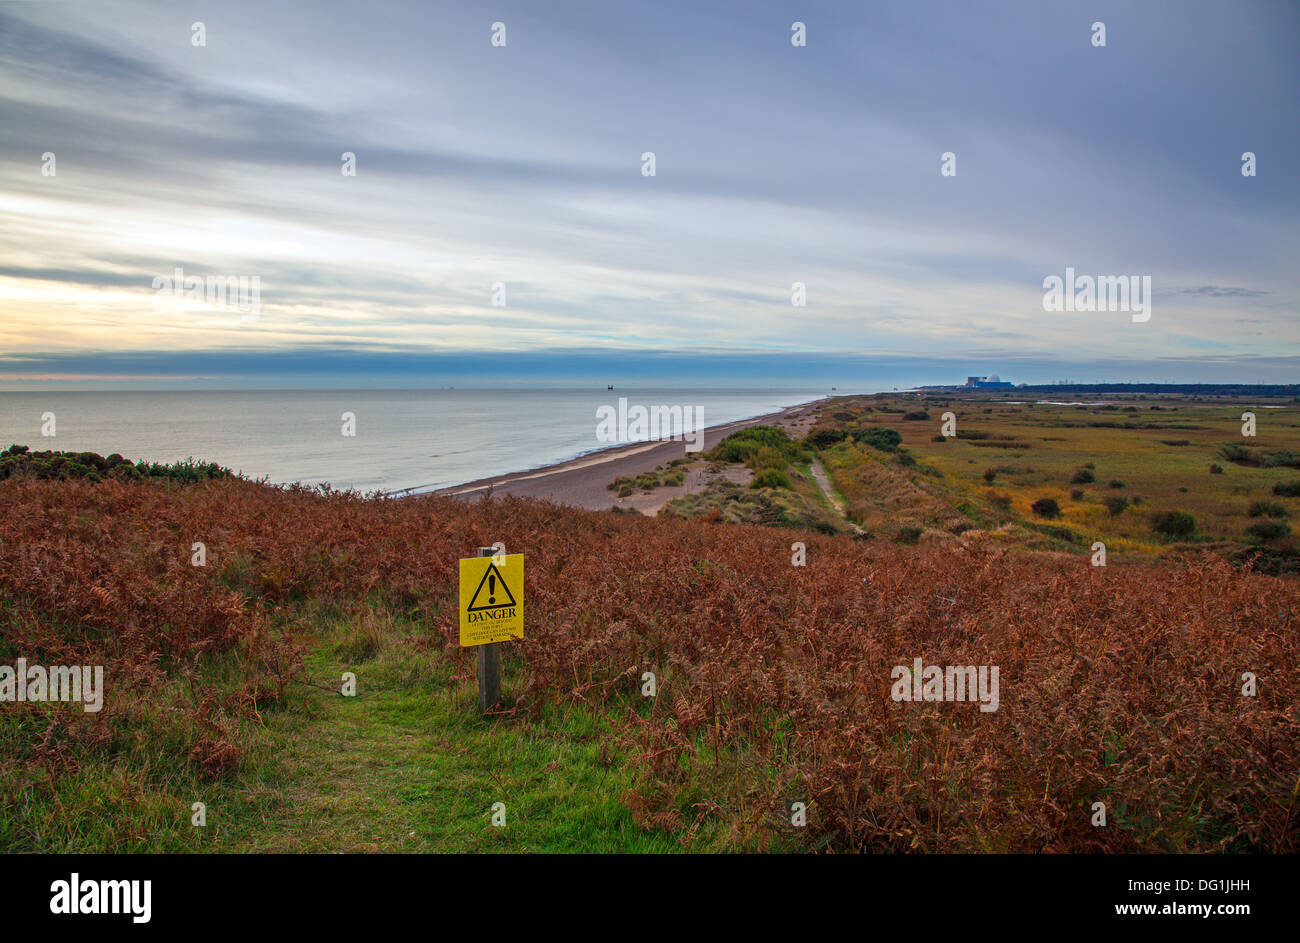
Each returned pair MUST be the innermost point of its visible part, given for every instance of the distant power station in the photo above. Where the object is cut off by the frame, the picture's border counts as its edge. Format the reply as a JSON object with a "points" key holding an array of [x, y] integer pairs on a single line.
{"points": [[987, 383]]}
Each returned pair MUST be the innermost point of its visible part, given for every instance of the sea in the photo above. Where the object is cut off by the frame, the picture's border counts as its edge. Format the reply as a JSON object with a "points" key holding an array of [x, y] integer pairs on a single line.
{"points": [[405, 440]]}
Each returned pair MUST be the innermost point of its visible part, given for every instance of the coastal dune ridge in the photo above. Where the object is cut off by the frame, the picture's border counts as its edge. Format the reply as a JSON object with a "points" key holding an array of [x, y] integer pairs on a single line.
{"points": [[583, 481]]}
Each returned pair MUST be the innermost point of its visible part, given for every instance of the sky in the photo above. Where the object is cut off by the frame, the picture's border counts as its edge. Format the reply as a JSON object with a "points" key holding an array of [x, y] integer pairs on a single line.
{"points": [[520, 166]]}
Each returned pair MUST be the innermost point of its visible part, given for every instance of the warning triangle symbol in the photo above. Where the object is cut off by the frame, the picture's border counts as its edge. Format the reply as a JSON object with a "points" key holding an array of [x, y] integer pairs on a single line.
{"points": [[494, 593]]}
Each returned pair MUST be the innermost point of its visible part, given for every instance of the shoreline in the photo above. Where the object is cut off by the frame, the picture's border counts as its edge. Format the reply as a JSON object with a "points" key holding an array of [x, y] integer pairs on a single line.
{"points": [[583, 480]]}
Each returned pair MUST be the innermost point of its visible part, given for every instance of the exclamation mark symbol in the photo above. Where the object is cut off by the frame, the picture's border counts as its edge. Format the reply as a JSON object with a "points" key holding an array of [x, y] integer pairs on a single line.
{"points": [[492, 588]]}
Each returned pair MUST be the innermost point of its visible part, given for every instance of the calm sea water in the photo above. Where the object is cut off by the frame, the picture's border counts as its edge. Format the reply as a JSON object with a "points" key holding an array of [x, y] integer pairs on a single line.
{"points": [[404, 438]]}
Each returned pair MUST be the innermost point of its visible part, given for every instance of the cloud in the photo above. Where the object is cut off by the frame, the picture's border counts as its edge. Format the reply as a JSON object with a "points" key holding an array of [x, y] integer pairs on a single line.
{"points": [[521, 166], [1220, 291]]}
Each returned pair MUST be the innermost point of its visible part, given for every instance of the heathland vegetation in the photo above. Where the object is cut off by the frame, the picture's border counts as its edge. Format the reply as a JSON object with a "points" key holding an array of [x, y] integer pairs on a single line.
{"points": [[224, 672], [1145, 475]]}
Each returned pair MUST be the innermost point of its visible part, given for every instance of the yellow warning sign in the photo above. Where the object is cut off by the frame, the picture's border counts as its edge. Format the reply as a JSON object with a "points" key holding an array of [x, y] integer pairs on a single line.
{"points": [[491, 599]]}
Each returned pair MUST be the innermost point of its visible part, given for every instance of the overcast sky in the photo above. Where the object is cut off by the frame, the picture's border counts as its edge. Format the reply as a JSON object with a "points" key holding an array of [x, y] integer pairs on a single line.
{"points": [[522, 164]]}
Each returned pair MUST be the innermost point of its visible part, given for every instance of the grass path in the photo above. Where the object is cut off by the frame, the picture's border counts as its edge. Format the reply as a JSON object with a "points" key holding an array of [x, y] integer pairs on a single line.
{"points": [[824, 482], [407, 765]]}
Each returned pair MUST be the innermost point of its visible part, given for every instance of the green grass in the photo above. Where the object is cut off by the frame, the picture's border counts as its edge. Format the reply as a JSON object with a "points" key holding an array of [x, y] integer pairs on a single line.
{"points": [[407, 764], [1162, 456]]}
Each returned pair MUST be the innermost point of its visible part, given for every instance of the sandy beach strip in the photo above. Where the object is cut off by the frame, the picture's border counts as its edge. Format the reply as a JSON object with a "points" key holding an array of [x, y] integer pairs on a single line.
{"points": [[584, 481]]}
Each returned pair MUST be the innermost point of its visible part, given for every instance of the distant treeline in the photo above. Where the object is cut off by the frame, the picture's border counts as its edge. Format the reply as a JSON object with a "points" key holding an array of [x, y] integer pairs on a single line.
{"points": [[1248, 390], [18, 461]]}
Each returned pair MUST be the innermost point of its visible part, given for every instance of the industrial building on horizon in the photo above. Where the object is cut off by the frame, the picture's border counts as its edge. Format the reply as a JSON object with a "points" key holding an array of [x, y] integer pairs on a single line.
{"points": [[987, 383]]}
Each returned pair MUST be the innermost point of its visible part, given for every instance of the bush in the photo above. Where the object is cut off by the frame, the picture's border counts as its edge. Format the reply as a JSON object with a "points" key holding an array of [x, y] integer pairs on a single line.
{"points": [[1116, 505], [1174, 524], [939, 438], [1061, 533], [907, 535], [742, 445], [1239, 454], [1216, 469], [825, 438], [771, 478], [990, 474], [916, 416], [1267, 509], [1116, 483], [878, 437], [1278, 458], [1002, 501], [17, 461], [1046, 507], [1077, 494], [1083, 476], [1287, 489], [1268, 530]]}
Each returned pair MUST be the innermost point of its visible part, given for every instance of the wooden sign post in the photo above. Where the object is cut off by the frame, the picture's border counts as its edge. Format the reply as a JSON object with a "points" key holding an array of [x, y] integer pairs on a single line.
{"points": [[489, 665], [491, 611]]}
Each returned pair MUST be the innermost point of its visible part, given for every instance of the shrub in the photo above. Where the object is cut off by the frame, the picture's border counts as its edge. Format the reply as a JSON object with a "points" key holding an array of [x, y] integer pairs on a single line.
{"points": [[990, 474], [1061, 533], [18, 462], [742, 445], [1174, 524], [1282, 458], [1116, 483], [1267, 509], [939, 438], [879, 437], [1116, 505], [1077, 494], [771, 478], [916, 416], [1216, 469], [1239, 454], [1046, 507], [1083, 476], [907, 535], [825, 438], [1287, 489], [1002, 501], [1268, 530]]}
